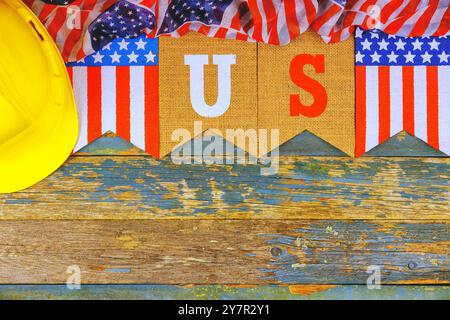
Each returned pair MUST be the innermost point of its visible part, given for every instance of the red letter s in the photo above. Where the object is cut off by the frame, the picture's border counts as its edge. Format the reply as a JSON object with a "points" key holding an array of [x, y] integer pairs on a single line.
{"points": [[309, 84]]}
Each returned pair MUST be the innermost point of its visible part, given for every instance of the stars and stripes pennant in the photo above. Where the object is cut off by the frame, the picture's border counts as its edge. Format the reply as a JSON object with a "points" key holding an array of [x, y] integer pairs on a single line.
{"points": [[81, 27], [116, 89], [402, 84]]}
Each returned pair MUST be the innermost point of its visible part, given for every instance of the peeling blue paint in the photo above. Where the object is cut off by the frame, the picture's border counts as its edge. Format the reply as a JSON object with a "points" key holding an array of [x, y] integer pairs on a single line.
{"points": [[159, 184], [310, 248], [213, 292]]}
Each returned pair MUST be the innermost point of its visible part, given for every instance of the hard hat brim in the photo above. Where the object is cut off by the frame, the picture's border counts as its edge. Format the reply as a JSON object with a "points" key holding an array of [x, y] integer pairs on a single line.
{"points": [[47, 140]]}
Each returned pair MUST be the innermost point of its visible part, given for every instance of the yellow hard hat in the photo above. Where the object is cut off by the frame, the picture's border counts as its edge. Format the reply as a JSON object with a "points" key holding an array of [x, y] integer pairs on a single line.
{"points": [[38, 116]]}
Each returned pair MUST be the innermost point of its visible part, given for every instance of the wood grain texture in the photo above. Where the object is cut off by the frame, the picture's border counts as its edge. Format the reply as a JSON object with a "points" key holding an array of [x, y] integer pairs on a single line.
{"points": [[224, 251], [139, 187], [221, 292], [313, 228]]}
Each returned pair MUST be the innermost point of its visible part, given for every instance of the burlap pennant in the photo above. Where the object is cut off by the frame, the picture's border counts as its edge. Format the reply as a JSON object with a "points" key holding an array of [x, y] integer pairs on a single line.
{"points": [[179, 68], [308, 85]]}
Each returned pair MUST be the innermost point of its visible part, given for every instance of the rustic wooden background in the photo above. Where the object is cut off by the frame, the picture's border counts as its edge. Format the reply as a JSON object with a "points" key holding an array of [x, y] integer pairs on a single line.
{"points": [[145, 228]]}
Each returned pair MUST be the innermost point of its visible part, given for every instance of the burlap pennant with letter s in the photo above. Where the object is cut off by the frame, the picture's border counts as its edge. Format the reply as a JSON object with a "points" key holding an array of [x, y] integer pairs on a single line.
{"points": [[308, 85]]}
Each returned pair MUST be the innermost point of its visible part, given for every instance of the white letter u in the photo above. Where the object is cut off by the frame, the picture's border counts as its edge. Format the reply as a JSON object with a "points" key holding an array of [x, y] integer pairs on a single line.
{"points": [[197, 66]]}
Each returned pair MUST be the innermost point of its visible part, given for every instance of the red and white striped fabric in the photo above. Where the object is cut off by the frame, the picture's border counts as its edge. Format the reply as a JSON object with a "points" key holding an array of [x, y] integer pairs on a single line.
{"points": [[275, 22], [402, 85], [413, 99], [116, 90]]}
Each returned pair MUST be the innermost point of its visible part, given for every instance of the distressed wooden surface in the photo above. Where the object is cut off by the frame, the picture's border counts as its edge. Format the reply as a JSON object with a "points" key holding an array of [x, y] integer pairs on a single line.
{"points": [[224, 251], [214, 292], [316, 226], [139, 187]]}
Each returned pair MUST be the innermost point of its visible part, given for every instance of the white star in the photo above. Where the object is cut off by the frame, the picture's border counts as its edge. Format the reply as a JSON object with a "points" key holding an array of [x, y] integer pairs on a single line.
{"points": [[141, 44], [115, 57], [374, 35], [392, 57], [359, 57], [98, 57], [107, 47], [383, 45], [133, 57], [123, 45], [409, 57], [444, 57], [366, 44], [434, 45], [417, 45], [375, 57], [426, 57], [359, 32], [400, 44], [150, 56]]}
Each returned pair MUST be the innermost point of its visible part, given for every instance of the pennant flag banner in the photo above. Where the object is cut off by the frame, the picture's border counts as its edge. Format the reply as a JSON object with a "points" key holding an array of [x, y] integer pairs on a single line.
{"points": [[402, 84], [308, 86], [206, 75], [116, 89], [158, 93], [81, 27]]}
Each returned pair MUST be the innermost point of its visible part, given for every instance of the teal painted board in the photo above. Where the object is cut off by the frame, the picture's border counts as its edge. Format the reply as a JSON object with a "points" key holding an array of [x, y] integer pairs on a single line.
{"points": [[304, 187], [216, 292], [308, 144], [199, 146], [110, 144], [404, 145]]}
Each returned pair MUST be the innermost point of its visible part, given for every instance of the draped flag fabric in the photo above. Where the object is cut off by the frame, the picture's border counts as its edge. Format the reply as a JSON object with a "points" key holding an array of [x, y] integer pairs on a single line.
{"points": [[81, 27], [116, 89], [402, 84]]}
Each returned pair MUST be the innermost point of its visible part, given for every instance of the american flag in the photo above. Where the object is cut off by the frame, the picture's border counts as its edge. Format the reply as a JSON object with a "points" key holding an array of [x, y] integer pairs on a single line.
{"points": [[116, 89], [80, 27], [402, 84]]}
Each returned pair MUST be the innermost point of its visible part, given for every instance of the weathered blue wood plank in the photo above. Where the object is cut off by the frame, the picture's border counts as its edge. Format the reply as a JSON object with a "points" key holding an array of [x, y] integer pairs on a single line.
{"points": [[110, 144], [298, 252], [305, 187], [224, 251], [404, 145], [308, 144], [219, 292]]}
